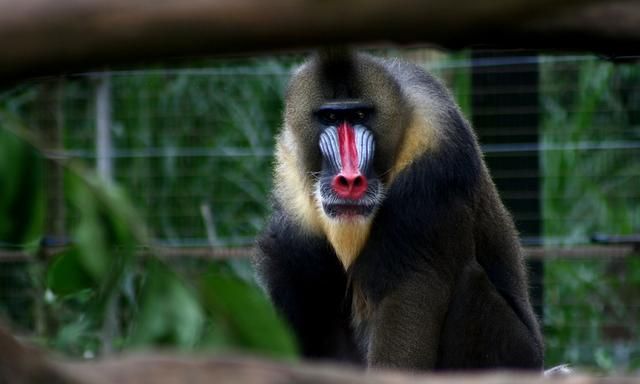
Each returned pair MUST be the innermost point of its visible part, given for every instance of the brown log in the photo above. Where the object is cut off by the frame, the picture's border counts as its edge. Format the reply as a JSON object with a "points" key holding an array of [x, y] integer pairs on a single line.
{"points": [[20, 364], [23, 365], [44, 37]]}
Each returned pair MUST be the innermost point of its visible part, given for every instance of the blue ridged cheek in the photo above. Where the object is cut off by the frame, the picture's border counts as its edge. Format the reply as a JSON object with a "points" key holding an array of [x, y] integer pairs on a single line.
{"points": [[365, 144]]}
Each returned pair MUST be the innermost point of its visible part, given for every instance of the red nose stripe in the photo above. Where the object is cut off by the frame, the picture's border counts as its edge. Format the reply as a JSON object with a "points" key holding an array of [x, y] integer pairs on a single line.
{"points": [[348, 183], [348, 149]]}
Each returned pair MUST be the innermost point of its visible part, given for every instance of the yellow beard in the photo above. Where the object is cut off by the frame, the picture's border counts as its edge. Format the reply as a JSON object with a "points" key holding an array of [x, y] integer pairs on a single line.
{"points": [[347, 237]]}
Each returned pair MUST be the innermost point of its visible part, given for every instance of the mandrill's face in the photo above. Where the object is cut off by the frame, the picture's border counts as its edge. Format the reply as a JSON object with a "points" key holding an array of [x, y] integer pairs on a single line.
{"points": [[336, 153], [348, 187], [347, 123]]}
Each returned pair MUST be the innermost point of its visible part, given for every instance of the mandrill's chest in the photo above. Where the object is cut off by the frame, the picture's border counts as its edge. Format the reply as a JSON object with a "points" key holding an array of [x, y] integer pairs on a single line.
{"points": [[361, 306]]}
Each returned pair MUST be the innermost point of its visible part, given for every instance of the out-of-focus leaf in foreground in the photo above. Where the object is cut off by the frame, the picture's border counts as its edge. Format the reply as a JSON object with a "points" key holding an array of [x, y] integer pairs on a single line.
{"points": [[67, 275], [108, 230], [249, 317], [21, 193], [169, 312]]}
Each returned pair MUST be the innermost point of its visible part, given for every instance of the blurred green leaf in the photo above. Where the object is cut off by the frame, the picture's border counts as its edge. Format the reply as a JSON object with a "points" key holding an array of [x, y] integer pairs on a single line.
{"points": [[108, 230], [67, 275], [77, 336], [247, 313], [169, 312], [21, 192]]}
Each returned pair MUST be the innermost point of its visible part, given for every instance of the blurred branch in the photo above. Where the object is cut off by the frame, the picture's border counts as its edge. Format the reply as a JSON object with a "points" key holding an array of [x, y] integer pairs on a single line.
{"points": [[580, 252], [43, 37], [227, 253], [208, 253]]}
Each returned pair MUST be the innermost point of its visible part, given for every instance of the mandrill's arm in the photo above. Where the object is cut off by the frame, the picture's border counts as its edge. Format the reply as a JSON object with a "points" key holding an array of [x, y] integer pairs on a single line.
{"points": [[484, 329], [406, 325], [307, 284]]}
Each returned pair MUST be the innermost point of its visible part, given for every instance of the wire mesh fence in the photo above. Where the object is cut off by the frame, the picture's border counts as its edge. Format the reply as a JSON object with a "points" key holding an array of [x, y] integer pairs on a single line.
{"points": [[192, 148]]}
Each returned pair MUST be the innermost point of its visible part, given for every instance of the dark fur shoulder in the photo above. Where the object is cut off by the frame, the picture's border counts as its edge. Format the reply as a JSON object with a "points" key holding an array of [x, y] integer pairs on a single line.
{"points": [[425, 215]]}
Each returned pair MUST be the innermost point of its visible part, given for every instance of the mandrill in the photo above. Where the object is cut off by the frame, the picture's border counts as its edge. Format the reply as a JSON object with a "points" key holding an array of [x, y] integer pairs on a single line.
{"points": [[389, 245]]}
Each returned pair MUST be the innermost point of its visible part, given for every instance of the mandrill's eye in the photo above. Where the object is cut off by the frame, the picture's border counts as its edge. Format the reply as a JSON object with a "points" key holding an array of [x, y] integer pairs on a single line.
{"points": [[359, 116], [327, 117]]}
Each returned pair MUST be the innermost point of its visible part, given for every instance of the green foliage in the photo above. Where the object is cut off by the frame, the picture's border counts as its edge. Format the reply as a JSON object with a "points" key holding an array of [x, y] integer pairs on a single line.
{"points": [[154, 305], [461, 84], [219, 125], [591, 317], [67, 275], [106, 290], [590, 312], [107, 230], [169, 311], [248, 315], [591, 187], [21, 218], [21, 195]]}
